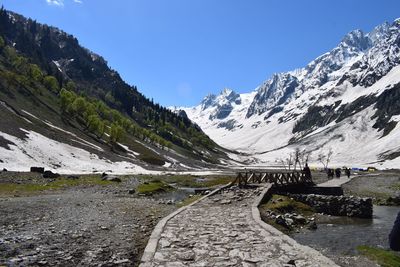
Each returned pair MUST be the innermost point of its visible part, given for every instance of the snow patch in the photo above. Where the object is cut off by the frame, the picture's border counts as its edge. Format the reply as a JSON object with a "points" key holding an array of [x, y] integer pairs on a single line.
{"points": [[38, 150]]}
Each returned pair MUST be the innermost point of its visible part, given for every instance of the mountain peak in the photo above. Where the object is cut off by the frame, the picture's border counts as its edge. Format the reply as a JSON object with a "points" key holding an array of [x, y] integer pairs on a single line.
{"points": [[228, 95], [226, 91], [379, 32], [356, 39], [208, 101]]}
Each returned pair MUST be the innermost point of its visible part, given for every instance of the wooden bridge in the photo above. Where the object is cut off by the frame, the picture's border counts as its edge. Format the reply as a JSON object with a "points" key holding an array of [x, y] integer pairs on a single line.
{"points": [[277, 179]]}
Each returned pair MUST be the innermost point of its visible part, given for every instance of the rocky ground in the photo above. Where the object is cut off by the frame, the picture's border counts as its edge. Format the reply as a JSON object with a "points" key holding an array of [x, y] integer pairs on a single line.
{"points": [[97, 225], [382, 186]]}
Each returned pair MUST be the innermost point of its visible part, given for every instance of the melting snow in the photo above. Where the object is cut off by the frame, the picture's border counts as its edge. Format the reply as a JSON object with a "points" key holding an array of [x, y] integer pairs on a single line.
{"points": [[38, 150]]}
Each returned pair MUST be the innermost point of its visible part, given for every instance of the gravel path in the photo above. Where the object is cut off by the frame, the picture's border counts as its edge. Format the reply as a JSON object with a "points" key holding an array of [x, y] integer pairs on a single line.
{"points": [[335, 182], [220, 231]]}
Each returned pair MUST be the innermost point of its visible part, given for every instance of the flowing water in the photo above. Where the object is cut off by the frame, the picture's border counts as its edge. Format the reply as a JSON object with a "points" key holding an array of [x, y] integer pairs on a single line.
{"points": [[342, 235]]}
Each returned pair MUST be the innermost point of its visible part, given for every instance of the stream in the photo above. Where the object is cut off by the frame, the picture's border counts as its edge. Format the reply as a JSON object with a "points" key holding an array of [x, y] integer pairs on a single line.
{"points": [[342, 235]]}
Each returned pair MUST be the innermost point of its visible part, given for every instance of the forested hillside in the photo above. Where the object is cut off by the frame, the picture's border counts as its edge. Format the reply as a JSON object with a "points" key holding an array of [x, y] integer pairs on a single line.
{"points": [[47, 76]]}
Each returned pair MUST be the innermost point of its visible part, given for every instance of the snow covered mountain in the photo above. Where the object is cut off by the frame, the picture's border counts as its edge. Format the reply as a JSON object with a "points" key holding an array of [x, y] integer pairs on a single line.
{"points": [[347, 100]]}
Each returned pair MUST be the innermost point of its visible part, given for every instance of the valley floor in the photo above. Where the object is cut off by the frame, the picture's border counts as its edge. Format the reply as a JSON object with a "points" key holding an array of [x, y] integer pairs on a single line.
{"points": [[95, 223]]}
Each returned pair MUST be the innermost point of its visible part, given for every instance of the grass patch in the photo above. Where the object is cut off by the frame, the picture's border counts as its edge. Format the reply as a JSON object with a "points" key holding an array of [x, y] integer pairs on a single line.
{"points": [[385, 258], [283, 204], [155, 186], [377, 197], [395, 187], [189, 200], [192, 180], [280, 205], [42, 184]]}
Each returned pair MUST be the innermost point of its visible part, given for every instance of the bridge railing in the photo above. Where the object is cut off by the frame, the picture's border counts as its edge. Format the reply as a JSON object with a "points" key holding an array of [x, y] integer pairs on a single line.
{"points": [[275, 178]]}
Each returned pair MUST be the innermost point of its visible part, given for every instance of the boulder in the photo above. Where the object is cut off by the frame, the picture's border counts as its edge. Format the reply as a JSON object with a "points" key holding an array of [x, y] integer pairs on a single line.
{"points": [[282, 221], [73, 177], [37, 169], [131, 191], [289, 221], [50, 174], [312, 226], [4, 169], [299, 219]]}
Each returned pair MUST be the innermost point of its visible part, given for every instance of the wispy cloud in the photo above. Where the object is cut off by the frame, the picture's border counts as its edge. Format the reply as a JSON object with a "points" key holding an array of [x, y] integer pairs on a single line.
{"points": [[60, 3], [55, 2]]}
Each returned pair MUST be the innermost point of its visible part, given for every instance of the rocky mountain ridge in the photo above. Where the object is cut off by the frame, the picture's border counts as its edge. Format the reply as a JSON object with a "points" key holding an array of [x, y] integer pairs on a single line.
{"points": [[355, 85]]}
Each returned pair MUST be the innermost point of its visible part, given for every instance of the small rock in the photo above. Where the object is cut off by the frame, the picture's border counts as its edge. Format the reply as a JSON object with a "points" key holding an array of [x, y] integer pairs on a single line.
{"points": [[122, 261], [253, 260], [299, 219], [186, 256]]}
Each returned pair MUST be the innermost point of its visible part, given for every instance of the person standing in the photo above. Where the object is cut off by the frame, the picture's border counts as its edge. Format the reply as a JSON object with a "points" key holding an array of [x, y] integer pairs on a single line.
{"points": [[330, 173], [337, 172], [307, 172], [348, 172], [394, 236]]}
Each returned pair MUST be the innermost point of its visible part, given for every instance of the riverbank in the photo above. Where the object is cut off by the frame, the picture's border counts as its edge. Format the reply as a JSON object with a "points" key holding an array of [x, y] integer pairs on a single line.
{"points": [[340, 238], [380, 185]]}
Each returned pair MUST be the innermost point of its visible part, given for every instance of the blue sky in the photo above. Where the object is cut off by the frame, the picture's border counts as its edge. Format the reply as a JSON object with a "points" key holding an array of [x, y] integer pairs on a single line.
{"points": [[178, 51]]}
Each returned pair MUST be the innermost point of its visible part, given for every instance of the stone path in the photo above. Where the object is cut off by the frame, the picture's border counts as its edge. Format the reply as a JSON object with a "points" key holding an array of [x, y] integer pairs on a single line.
{"points": [[335, 182], [221, 231]]}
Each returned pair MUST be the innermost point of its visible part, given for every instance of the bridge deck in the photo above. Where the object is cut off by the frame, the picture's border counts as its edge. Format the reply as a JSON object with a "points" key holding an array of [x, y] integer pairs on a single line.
{"points": [[274, 178], [220, 231]]}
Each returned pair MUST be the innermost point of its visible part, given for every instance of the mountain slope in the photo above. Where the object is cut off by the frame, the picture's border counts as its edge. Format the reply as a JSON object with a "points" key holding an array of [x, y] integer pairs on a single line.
{"points": [[346, 100], [62, 107]]}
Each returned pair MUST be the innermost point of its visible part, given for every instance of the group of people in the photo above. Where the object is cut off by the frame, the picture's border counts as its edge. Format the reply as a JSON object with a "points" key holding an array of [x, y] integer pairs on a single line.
{"points": [[337, 172]]}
